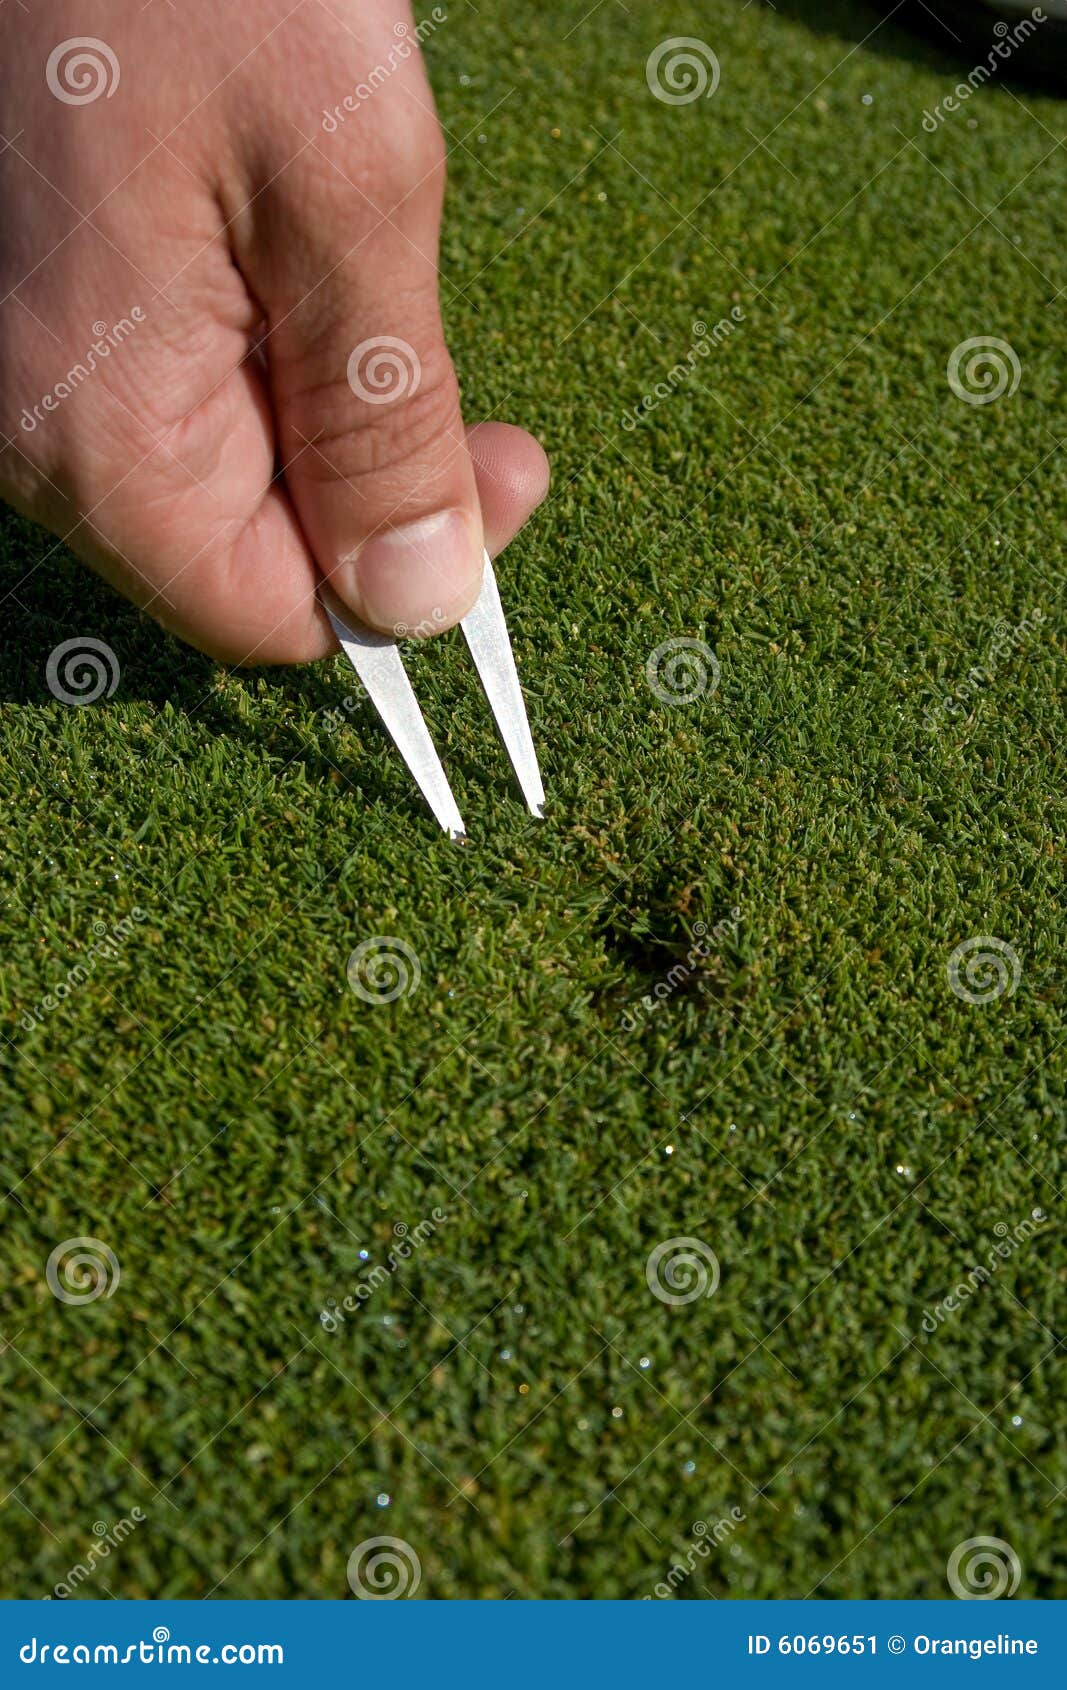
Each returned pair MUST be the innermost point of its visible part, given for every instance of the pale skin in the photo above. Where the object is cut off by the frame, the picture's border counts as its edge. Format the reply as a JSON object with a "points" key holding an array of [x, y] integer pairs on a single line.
{"points": [[218, 461]]}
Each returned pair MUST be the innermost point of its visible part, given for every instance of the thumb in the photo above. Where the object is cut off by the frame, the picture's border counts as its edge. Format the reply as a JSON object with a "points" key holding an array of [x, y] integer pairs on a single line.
{"points": [[365, 395]]}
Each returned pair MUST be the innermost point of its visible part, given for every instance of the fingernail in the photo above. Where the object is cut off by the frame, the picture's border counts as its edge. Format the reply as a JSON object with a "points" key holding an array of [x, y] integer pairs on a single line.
{"points": [[415, 579]]}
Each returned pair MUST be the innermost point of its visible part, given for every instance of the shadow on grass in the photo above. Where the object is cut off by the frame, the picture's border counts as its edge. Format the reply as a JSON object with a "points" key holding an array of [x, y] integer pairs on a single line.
{"points": [[48, 596], [948, 36]]}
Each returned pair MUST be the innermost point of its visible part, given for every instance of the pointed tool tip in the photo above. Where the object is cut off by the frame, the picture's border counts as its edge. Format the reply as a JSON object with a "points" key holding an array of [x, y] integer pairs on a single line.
{"points": [[487, 636]]}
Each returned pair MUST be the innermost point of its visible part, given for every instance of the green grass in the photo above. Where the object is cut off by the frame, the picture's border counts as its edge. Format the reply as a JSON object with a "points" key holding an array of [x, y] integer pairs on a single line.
{"points": [[218, 1106]]}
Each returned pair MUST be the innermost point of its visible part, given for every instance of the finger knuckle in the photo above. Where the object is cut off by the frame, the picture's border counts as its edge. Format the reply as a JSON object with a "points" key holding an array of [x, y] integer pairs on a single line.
{"points": [[421, 158], [340, 435], [411, 157]]}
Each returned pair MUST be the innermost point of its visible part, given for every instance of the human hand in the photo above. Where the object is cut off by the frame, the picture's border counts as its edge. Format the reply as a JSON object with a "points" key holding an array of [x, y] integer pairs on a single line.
{"points": [[196, 280]]}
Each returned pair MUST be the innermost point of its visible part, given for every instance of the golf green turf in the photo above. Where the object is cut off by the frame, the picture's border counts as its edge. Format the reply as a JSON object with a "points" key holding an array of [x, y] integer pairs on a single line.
{"points": [[804, 1092]]}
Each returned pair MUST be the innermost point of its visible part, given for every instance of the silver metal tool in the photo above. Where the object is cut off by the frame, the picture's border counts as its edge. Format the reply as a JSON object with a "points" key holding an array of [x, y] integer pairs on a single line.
{"points": [[377, 661]]}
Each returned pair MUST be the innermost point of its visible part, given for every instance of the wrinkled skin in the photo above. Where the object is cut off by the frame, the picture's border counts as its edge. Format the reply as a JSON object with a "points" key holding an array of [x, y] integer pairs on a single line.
{"points": [[241, 252]]}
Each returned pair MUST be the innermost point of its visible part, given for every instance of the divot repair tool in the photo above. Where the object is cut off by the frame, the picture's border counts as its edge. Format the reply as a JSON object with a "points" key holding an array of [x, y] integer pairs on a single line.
{"points": [[377, 661]]}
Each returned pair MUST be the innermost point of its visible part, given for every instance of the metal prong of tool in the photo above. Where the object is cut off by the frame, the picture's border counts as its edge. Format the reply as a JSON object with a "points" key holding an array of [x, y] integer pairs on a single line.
{"points": [[490, 647], [377, 661]]}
